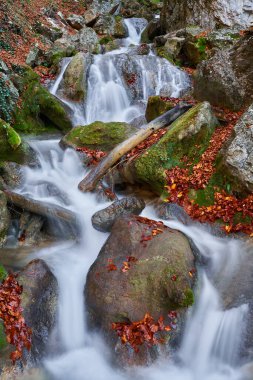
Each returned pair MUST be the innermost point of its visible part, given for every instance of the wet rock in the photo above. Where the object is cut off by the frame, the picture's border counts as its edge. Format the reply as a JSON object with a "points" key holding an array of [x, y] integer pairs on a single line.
{"points": [[104, 220], [4, 219], [73, 85], [172, 211], [12, 146], [11, 172], [148, 286], [194, 127], [156, 107], [30, 226], [152, 30], [98, 135], [238, 156], [76, 21], [39, 302]]}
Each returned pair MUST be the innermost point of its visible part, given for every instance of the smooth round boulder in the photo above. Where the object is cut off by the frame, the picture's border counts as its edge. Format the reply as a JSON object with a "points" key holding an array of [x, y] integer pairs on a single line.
{"points": [[141, 269]]}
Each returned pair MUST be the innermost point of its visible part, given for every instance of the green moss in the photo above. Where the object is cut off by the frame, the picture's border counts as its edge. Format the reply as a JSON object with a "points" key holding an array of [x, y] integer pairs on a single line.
{"points": [[105, 40], [156, 107], [170, 150], [12, 148], [3, 273], [3, 341], [38, 103], [189, 298], [99, 135], [201, 44], [13, 137], [163, 53]]}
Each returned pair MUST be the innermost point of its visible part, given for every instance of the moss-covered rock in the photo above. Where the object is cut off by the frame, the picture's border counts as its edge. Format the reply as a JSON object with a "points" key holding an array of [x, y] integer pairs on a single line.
{"points": [[158, 282], [188, 136], [156, 107], [98, 135], [40, 111], [12, 147]]}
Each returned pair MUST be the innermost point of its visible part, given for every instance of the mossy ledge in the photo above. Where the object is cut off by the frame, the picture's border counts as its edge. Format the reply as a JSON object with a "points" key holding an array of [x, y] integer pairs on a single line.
{"points": [[98, 135]]}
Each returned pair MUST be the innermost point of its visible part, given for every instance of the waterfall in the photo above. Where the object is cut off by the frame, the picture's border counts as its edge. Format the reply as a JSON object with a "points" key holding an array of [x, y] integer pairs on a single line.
{"points": [[120, 82], [135, 27], [211, 342]]}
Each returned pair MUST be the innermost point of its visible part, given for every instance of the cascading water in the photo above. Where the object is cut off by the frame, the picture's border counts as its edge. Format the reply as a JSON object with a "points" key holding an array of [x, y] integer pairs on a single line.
{"points": [[211, 341], [120, 82], [212, 338]]}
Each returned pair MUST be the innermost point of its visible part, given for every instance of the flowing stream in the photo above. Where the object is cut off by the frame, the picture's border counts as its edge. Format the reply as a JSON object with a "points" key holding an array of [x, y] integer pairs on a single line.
{"points": [[211, 344]]}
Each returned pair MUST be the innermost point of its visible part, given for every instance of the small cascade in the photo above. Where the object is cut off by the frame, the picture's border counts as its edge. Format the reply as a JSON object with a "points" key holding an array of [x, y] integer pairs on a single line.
{"points": [[64, 64], [135, 27]]}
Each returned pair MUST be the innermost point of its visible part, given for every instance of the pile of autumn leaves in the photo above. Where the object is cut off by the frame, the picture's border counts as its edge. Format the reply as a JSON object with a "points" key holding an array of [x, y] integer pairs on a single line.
{"points": [[225, 206], [16, 330]]}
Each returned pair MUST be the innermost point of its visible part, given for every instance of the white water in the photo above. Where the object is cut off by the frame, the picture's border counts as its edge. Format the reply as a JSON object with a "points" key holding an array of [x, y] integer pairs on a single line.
{"points": [[212, 339], [211, 342], [119, 82]]}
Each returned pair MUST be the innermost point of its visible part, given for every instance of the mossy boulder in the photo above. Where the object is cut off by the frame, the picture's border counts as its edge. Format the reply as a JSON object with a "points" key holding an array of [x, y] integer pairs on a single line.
{"points": [[156, 107], [73, 85], [40, 111], [157, 282], [188, 136], [12, 147], [98, 135]]}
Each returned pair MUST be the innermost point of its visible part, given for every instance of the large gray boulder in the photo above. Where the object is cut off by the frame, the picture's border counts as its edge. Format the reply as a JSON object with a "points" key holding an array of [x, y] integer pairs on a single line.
{"points": [[216, 81], [238, 157], [86, 40], [209, 14], [157, 282], [39, 302], [227, 78]]}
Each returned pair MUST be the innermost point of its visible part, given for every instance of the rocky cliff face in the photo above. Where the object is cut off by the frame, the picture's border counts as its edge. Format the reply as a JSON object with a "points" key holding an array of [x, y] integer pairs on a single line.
{"points": [[207, 13]]}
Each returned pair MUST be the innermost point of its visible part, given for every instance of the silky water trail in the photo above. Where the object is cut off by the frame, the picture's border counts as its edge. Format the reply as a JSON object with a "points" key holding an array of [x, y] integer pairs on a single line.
{"points": [[210, 348]]}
